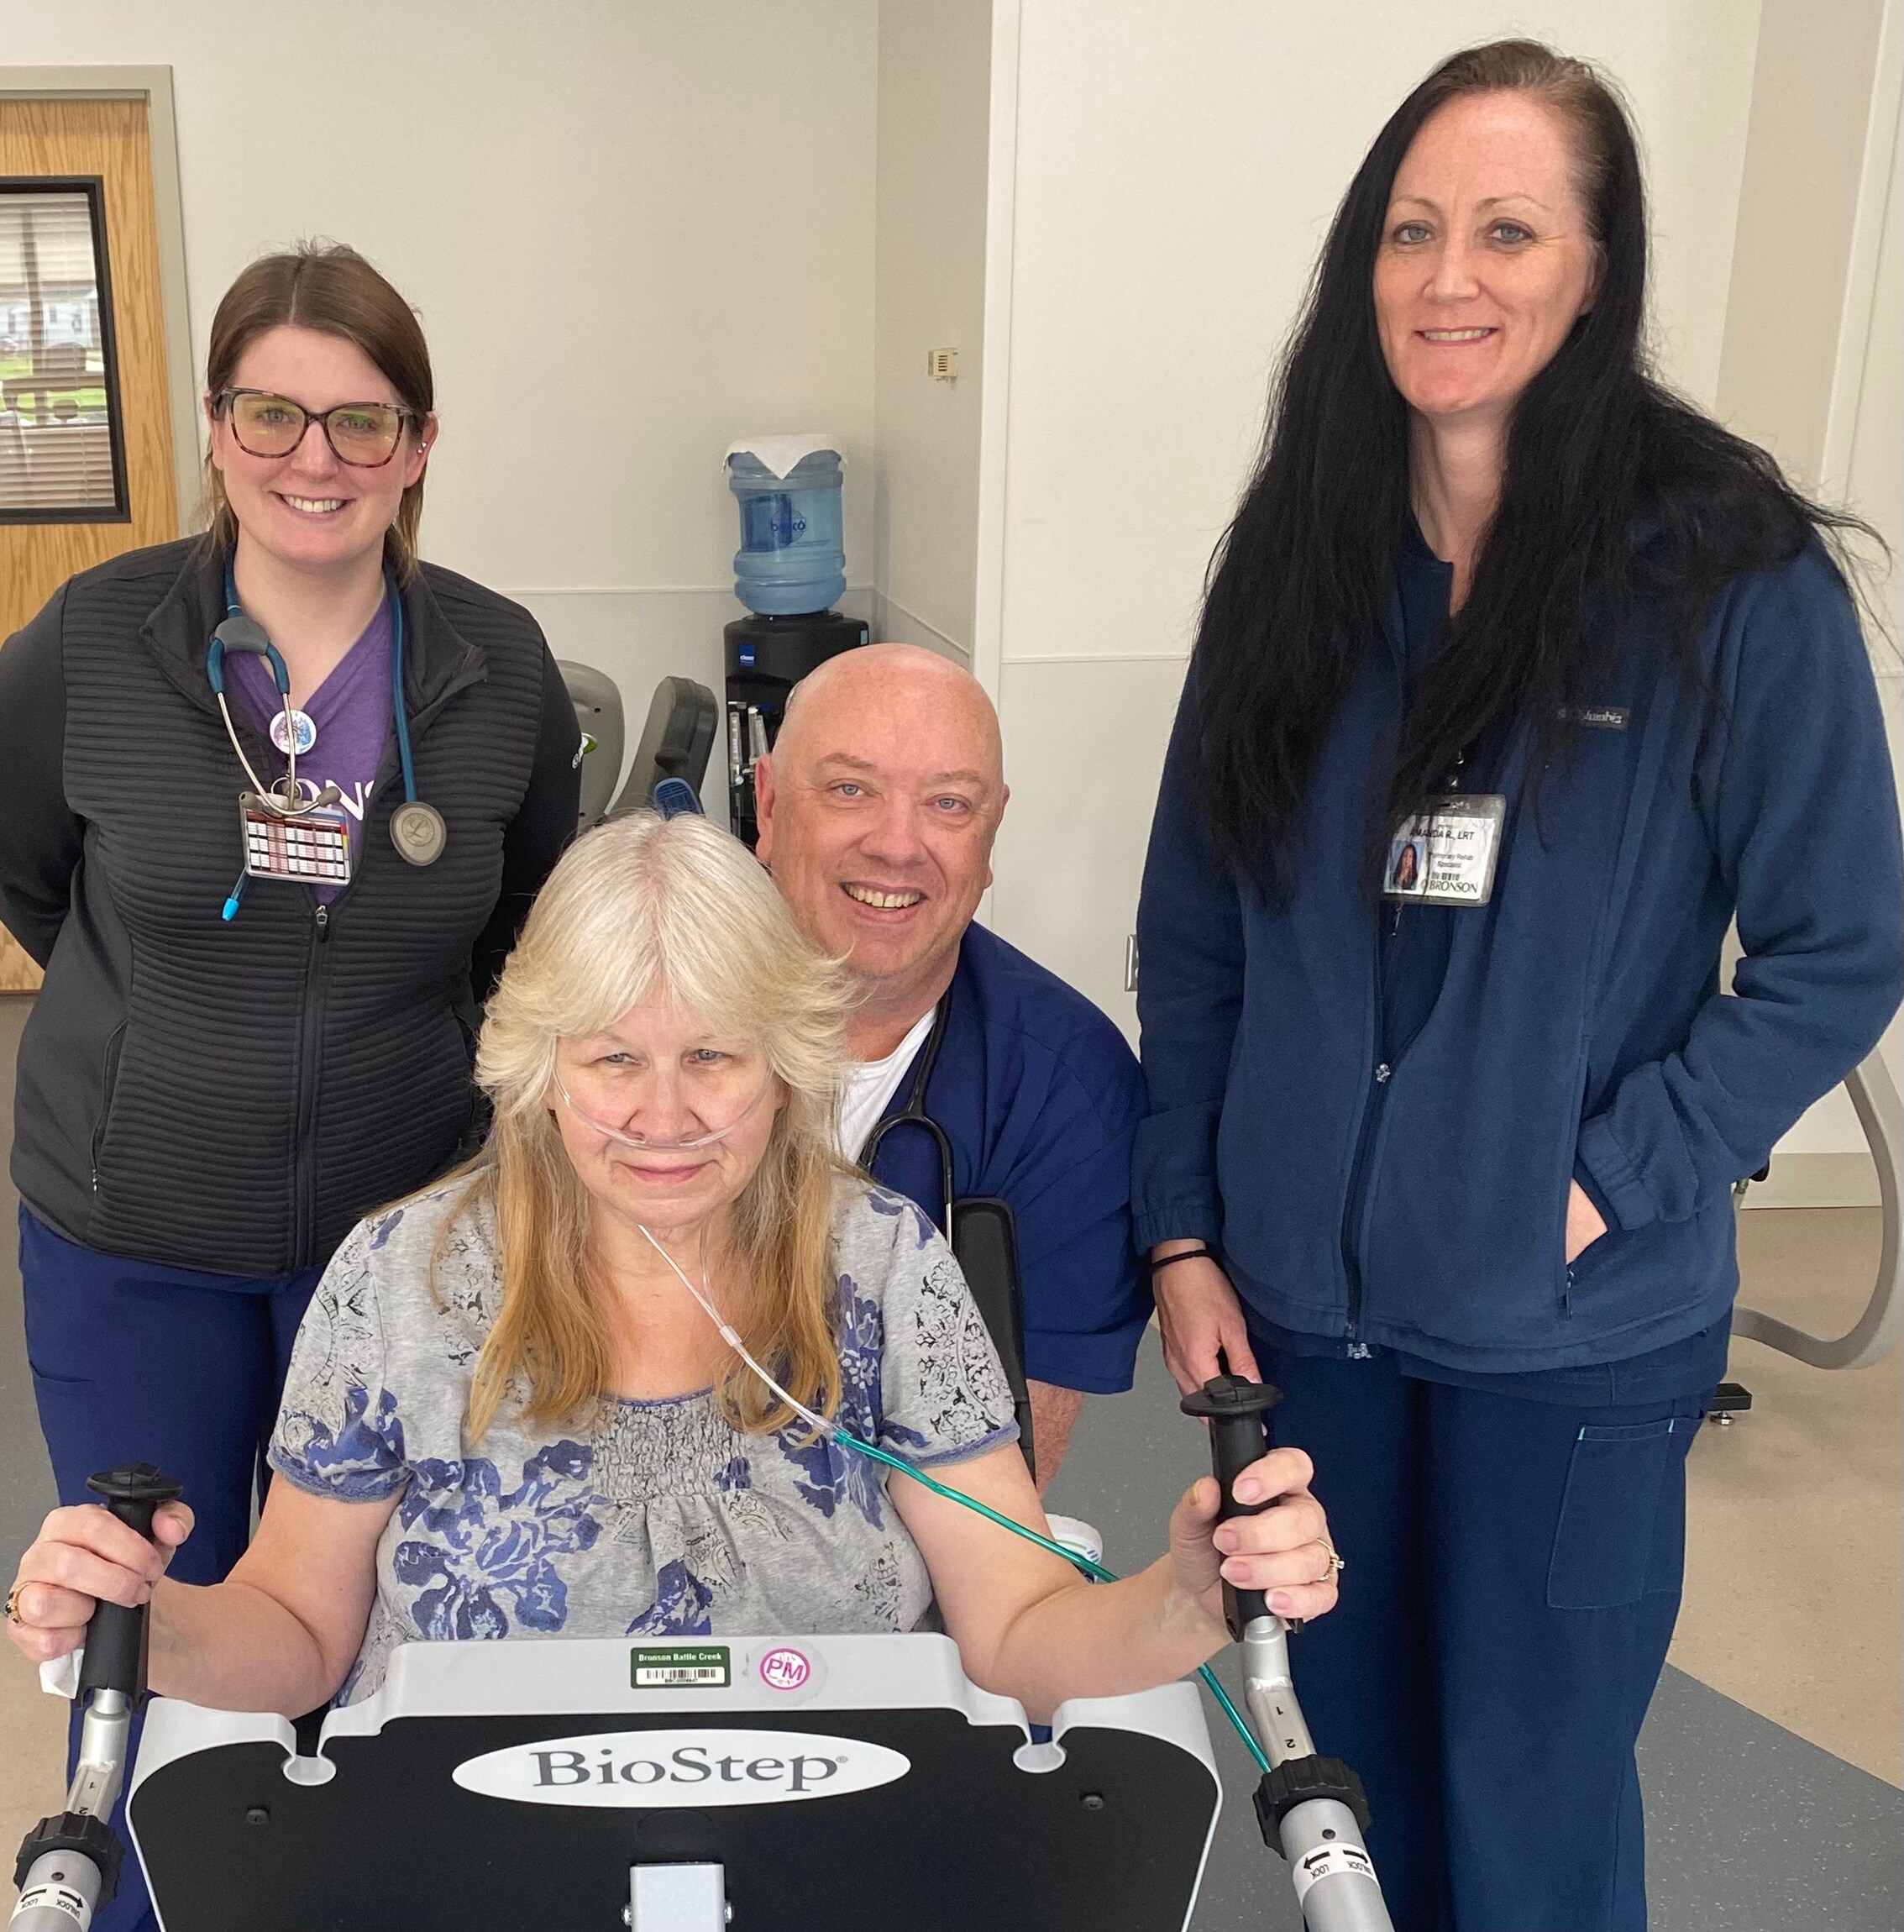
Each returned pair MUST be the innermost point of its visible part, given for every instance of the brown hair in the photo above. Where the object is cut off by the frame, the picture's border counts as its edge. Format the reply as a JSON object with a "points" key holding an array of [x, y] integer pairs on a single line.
{"points": [[1582, 96], [329, 287]]}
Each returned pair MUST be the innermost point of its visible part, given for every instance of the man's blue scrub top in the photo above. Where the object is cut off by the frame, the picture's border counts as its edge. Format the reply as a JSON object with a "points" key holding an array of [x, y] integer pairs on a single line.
{"points": [[1040, 1097]]}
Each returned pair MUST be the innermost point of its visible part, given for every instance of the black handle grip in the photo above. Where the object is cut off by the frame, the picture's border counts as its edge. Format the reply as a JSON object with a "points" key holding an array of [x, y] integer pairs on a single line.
{"points": [[1234, 1409], [116, 1638]]}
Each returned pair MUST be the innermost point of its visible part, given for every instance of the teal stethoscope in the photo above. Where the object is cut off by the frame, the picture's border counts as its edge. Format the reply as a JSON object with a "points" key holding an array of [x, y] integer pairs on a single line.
{"points": [[417, 830]]}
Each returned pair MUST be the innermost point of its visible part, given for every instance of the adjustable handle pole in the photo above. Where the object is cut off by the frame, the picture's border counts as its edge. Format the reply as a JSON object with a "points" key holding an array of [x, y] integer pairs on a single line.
{"points": [[1310, 1808], [69, 1865]]}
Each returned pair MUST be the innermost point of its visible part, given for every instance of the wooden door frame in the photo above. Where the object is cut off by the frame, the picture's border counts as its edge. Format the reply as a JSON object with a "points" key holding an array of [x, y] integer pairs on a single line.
{"points": [[153, 86]]}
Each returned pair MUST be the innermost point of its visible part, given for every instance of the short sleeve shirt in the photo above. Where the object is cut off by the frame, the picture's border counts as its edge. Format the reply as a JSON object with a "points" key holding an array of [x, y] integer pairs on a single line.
{"points": [[647, 1518]]}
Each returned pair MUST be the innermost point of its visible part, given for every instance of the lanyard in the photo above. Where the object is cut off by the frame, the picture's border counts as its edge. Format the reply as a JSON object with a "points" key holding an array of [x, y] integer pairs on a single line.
{"points": [[417, 829]]}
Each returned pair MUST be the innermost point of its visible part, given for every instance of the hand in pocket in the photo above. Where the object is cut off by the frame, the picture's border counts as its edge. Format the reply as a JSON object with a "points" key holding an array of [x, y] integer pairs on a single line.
{"points": [[1585, 1223]]}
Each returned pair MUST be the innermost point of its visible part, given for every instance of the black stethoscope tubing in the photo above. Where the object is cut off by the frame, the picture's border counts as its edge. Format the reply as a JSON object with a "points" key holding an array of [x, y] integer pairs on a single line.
{"points": [[915, 1115]]}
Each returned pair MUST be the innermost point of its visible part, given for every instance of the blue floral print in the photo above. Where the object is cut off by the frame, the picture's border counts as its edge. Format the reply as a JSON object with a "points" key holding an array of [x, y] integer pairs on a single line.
{"points": [[833, 1475], [681, 1605], [898, 1208], [361, 1462], [489, 1551]]}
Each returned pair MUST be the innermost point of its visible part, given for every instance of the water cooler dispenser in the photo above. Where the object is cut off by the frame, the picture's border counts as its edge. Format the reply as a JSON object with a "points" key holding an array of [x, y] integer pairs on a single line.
{"points": [[789, 568]]}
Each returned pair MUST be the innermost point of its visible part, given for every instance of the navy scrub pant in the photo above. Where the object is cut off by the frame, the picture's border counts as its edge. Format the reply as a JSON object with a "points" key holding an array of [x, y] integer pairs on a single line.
{"points": [[1513, 1578], [133, 1361]]}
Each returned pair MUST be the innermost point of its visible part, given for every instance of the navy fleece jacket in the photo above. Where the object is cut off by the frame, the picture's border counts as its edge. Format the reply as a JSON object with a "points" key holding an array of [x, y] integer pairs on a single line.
{"points": [[1580, 1028]]}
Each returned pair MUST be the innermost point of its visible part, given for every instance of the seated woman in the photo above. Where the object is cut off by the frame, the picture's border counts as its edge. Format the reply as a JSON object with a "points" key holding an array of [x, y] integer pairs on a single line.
{"points": [[508, 1414]]}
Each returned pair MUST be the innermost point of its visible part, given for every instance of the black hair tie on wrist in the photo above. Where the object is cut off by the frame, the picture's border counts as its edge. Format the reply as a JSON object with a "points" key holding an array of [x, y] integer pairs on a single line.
{"points": [[1184, 1254]]}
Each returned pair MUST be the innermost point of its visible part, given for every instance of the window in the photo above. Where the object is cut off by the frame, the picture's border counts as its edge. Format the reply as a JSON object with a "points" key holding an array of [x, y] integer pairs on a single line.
{"points": [[62, 454]]}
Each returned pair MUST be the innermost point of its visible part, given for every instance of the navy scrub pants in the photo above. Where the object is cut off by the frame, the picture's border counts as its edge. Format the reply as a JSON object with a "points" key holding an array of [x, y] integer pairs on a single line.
{"points": [[135, 1361], [1513, 1578]]}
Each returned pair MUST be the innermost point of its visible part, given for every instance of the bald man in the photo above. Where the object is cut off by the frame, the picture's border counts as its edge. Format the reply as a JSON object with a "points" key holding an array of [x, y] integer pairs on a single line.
{"points": [[878, 808]]}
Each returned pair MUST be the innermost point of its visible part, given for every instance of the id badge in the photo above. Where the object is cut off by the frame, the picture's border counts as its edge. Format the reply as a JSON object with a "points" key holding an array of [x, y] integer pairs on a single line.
{"points": [[1445, 856], [312, 848]]}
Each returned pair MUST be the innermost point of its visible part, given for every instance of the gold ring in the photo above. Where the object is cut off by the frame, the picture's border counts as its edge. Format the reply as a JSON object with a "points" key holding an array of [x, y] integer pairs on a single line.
{"points": [[13, 1615], [1337, 1562]]}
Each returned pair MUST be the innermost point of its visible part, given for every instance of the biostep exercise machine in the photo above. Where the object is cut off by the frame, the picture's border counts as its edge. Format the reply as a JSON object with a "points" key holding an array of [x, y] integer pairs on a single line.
{"points": [[687, 1784]]}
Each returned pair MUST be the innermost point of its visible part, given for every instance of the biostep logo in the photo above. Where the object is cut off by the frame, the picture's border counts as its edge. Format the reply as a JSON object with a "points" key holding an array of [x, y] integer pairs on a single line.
{"points": [[646, 1770]]}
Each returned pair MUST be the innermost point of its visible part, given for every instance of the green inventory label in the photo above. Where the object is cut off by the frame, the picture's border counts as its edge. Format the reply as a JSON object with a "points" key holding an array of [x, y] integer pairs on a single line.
{"points": [[680, 1668]]}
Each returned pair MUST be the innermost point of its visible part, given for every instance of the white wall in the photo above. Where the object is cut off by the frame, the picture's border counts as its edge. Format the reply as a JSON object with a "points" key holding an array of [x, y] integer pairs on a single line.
{"points": [[935, 81], [1811, 364], [635, 230], [1175, 170]]}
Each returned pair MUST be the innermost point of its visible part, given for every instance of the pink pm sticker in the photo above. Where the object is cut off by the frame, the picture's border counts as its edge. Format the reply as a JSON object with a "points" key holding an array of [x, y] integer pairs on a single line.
{"points": [[784, 1670]]}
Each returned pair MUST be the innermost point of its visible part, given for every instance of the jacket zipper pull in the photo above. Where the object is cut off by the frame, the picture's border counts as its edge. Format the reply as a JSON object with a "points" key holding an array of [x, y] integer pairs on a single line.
{"points": [[323, 923]]}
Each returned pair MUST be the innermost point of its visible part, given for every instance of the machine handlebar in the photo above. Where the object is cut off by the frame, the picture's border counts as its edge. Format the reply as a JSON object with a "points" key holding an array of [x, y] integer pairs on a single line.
{"points": [[1234, 1409], [117, 1637]]}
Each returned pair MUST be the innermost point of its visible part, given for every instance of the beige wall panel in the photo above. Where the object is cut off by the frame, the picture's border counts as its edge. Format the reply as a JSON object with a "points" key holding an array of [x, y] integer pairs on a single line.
{"points": [[109, 138]]}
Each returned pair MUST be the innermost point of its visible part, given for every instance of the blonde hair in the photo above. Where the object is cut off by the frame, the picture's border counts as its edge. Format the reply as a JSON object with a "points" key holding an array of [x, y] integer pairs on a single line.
{"points": [[637, 906], [326, 286]]}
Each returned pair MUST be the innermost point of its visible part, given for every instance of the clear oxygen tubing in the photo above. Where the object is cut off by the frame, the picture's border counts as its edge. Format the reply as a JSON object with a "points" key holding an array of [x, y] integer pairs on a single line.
{"points": [[645, 1145], [873, 1452]]}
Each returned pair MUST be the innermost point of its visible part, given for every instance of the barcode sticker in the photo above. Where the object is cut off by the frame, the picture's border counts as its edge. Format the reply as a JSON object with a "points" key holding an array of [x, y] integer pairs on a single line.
{"points": [[678, 1668]]}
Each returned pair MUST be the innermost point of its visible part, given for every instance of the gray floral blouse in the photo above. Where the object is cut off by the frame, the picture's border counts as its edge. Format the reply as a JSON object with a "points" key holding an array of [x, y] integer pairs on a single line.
{"points": [[654, 1518]]}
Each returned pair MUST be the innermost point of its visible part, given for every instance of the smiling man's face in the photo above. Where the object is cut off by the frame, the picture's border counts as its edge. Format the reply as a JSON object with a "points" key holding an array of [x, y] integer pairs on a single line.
{"points": [[877, 809]]}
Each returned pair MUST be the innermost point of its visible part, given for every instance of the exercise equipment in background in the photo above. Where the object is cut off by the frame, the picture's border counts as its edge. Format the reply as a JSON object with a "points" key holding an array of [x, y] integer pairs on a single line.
{"points": [[674, 747], [597, 700], [675, 744], [1876, 1333]]}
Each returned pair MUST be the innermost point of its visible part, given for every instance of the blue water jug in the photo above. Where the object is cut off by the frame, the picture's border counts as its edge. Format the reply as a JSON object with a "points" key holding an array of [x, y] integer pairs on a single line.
{"points": [[792, 561]]}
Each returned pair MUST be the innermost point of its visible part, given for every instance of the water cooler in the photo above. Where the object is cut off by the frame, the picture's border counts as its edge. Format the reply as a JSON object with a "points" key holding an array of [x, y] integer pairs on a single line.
{"points": [[789, 568]]}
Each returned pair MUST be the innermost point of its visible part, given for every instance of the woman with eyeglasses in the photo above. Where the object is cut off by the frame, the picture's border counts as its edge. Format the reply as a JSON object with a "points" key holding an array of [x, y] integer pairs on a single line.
{"points": [[262, 979]]}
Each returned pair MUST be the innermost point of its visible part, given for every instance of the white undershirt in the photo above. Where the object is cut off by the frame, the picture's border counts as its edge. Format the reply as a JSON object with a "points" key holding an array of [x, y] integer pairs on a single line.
{"points": [[870, 1085]]}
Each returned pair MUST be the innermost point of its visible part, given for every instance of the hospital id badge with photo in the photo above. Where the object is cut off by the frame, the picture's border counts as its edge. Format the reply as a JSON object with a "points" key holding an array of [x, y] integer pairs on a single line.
{"points": [[309, 847], [1445, 856]]}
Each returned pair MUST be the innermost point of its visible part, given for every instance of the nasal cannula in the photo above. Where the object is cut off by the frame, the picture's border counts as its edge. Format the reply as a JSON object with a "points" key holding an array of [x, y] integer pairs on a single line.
{"points": [[1096, 1572]]}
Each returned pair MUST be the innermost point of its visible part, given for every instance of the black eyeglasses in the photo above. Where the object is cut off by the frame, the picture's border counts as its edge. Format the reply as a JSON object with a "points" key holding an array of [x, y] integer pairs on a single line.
{"points": [[363, 434]]}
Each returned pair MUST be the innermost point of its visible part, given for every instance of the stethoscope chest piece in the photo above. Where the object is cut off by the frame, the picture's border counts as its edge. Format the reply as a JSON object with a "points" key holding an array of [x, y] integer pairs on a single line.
{"points": [[418, 832]]}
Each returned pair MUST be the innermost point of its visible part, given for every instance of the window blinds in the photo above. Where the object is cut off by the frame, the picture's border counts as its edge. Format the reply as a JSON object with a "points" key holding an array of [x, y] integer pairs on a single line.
{"points": [[57, 393]]}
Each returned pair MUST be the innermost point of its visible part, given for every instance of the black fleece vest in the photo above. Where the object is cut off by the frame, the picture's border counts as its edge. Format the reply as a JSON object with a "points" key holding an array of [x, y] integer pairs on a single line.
{"points": [[232, 1096]]}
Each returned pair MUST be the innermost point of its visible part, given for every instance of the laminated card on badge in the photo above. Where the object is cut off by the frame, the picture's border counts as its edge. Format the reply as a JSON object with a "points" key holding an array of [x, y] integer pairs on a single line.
{"points": [[310, 848], [1446, 855]]}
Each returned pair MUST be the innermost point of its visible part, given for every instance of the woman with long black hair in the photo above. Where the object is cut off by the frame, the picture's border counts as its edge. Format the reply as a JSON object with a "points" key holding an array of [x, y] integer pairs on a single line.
{"points": [[1454, 1166]]}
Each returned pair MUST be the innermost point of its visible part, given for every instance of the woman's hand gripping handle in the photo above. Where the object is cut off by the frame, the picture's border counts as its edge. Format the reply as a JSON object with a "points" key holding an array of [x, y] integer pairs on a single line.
{"points": [[119, 1635], [1234, 1410]]}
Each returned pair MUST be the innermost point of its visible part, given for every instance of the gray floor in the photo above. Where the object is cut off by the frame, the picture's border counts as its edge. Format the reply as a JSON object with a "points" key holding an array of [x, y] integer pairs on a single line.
{"points": [[1750, 1829]]}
